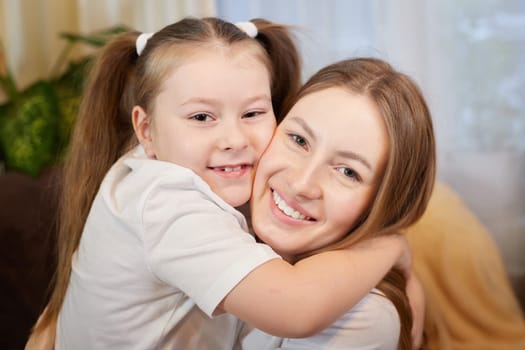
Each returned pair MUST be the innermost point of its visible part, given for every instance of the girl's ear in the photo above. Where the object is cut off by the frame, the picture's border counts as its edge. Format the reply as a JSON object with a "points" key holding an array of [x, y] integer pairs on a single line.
{"points": [[142, 127]]}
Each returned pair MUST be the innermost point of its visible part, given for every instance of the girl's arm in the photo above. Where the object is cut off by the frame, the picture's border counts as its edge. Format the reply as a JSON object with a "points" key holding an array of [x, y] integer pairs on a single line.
{"points": [[300, 300]]}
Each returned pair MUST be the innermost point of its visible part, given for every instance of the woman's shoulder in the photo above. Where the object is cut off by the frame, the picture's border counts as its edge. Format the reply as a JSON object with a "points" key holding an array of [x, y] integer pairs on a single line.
{"points": [[372, 324], [375, 310]]}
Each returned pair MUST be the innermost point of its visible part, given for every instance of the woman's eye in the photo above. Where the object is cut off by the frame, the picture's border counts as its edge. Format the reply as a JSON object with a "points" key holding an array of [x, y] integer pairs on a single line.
{"points": [[350, 173], [201, 117], [298, 140]]}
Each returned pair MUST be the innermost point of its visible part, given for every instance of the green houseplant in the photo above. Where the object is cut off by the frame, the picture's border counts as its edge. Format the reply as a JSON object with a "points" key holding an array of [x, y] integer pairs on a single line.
{"points": [[35, 123]]}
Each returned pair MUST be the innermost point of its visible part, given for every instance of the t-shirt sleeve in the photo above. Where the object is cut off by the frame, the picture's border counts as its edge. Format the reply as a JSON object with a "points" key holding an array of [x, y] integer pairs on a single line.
{"points": [[193, 244]]}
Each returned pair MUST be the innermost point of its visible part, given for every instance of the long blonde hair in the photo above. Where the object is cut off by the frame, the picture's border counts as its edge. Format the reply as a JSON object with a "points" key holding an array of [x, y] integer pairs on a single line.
{"points": [[408, 179], [121, 79]]}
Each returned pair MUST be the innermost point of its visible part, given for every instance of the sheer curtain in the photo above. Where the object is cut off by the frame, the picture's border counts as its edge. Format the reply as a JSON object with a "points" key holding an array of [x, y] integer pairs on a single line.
{"points": [[469, 59], [29, 29]]}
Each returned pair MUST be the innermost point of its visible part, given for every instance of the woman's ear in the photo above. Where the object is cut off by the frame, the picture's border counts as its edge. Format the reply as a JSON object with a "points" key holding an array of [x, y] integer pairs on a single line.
{"points": [[142, 126]]}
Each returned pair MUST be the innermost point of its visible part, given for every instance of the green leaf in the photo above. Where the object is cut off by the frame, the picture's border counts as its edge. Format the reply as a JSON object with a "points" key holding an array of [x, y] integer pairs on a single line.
{"points": [[35, 124], [29, 133], [97, 39]]}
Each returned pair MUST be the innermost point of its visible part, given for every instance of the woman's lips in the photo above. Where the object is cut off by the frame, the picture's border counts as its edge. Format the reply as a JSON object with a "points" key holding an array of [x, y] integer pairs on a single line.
{"points": [[286, 209]]}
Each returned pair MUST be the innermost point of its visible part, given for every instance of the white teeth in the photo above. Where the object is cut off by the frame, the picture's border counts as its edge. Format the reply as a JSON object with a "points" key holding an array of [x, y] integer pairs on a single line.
{"points": [[230, 169], [289, 211]]}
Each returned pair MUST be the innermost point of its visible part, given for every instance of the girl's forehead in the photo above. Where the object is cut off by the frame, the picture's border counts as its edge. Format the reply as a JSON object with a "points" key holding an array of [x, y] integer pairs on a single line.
{"points": [[189, 62], [214, 75], [246, 52]]}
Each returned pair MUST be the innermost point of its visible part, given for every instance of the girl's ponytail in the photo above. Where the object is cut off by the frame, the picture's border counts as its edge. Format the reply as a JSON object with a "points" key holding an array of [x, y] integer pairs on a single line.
{"points": [[102, 133], [285, 59]]}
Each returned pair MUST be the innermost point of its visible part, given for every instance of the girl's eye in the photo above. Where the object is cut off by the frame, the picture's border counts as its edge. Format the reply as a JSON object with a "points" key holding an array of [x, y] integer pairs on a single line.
{"points": [[201, 117], [298, 140], [252, 114], [350, 173]]}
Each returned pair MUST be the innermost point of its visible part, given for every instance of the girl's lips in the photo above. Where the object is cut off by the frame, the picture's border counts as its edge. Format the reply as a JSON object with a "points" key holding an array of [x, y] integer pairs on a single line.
{"points": [[231, 171]]}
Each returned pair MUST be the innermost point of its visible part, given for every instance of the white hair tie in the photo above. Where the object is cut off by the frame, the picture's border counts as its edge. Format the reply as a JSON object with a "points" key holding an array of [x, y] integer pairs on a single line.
{"points": [[141, 42], [248, 27]]}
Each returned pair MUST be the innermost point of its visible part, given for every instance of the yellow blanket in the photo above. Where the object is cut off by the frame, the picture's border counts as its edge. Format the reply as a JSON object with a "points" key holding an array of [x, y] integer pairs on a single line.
{"points": [[471, 305]]}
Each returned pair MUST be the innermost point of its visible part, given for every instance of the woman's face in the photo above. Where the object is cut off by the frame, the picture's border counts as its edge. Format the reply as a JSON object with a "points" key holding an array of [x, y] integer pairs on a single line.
{"points": [[320, 172]]}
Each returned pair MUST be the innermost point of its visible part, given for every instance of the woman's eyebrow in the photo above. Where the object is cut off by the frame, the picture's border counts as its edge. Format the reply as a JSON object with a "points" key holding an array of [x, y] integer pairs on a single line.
{"points": [[346, 154], [305, 126], [355, 156]]}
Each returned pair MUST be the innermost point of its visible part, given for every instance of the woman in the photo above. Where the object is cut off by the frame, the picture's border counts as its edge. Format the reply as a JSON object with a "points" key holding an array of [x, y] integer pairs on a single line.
{"points": [[353, 158]]}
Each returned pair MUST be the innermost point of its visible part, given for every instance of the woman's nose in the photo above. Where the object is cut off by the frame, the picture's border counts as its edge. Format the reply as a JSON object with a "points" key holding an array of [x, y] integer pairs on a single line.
{"points": [[306, 182]]}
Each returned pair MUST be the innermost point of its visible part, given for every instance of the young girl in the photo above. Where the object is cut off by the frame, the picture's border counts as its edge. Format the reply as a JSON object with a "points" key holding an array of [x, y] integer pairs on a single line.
{"points": [[354, 158], [150, 244]]}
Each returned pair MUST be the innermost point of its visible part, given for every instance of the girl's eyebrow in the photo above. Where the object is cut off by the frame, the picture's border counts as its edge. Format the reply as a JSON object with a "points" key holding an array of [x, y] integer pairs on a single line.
{"points": [[202, 100], [259, 97], [346, 154], [212, 101]]}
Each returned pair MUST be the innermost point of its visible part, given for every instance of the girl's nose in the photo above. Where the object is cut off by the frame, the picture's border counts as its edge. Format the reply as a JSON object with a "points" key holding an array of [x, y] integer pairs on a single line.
{"points": [[233, 137]]}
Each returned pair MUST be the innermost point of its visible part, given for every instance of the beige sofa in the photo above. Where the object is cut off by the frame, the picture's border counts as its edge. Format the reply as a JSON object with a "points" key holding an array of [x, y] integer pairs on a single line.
{"points": [[471, 304]]}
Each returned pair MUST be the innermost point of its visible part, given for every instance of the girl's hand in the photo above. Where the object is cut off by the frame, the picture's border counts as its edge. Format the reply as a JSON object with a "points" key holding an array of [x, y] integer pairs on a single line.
{"points": [[404, 263], [416, 298]]}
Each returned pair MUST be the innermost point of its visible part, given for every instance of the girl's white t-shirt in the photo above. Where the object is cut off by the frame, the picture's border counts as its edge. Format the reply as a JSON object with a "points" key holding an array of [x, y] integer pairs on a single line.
{"points": [[158, 254]]}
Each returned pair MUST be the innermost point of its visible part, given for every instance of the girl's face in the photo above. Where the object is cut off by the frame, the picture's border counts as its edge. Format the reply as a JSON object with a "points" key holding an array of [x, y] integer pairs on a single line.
{"points": [[214, 116], [320, 172]]}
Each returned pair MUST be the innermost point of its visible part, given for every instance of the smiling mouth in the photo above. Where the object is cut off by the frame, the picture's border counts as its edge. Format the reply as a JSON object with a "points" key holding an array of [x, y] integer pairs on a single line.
{"points": [[230, 169], [287, 210]]}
